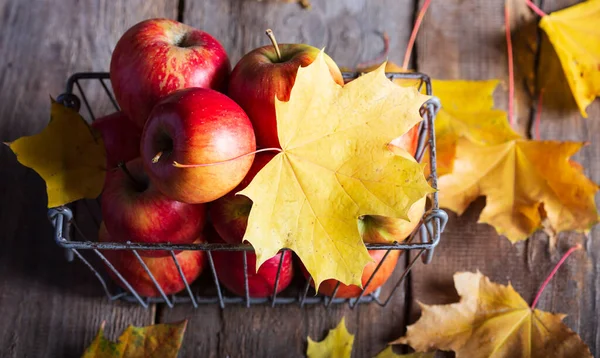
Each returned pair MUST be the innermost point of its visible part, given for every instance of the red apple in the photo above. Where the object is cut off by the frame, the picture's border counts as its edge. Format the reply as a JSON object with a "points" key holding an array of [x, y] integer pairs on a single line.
{"points": [[352, 291], [197, 126], [229, 266], [121, 138], [134, 210], [229, 214], [162, 268], [261, 75], [158, 56]]}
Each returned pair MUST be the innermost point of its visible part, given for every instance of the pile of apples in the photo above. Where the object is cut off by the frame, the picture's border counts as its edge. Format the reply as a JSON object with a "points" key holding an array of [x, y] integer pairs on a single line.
{"points": [[184, 143]]}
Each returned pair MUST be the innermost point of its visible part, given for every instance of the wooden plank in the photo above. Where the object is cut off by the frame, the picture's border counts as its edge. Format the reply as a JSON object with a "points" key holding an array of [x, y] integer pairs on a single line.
{"points": [[351, 33], [463, 40], [49, 307], [566, 123]]}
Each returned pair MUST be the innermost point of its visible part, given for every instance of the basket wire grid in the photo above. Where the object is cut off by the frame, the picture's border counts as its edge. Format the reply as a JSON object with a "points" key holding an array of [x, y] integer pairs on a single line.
{"points": [[427, 231]]}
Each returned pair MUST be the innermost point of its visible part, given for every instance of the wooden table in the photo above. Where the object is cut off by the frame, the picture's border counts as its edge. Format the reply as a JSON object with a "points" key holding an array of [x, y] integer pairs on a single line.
{"points": [[50, 308]]}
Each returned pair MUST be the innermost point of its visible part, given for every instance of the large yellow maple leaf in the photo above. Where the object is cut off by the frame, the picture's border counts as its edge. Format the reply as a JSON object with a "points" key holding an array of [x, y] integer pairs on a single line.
{"points": [[334, 167], [575, 35], [492, 320], [158, 341], [67, 154], [517, 177], [337, 344]]}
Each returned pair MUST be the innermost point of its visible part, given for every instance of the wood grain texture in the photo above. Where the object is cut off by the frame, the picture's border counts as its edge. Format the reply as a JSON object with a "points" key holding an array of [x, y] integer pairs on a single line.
{"points": [[350, 31], [49, 307], [469, 34]]}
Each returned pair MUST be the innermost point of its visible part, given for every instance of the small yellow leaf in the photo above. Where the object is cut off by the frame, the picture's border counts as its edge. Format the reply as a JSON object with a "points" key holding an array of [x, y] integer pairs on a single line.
{"points": [[67, 155], [159, 341], [575, 35], [492, 320], [389, 353], [337, 344], [333, 168], [518, 177]]}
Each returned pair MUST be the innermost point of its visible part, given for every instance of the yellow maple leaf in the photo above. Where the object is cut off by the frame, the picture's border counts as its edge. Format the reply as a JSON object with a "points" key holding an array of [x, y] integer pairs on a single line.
{"points": [[575, 35], [333, 168], [337, 344], [159, 340], [492, 320], [389, 353], [67, 155], [516, 178], [467, 112]]}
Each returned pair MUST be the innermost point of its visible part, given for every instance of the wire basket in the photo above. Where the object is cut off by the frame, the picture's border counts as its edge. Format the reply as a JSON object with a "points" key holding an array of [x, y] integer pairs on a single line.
{"points": [[422, 240]]}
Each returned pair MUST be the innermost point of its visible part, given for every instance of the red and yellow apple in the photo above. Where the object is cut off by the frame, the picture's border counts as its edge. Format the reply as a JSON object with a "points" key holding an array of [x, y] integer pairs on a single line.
{"points": [[352, 291], [207, 134], [229, 266], [163, 268], [229, 214], [261, 75], [134, 210], [121, 138], [158, 56]]}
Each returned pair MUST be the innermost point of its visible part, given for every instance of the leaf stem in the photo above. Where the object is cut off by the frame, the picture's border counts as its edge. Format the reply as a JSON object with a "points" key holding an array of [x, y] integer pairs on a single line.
{"points": [[413, 35], [558, 265], [139, 186], [511, 79], [271, 36], [179, 165], [535, 9]]}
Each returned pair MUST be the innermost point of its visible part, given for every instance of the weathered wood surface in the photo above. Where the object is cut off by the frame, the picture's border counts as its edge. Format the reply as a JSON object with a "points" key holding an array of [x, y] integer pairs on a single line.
{"points": [[473, 39], [48, 307], [51, 308]]}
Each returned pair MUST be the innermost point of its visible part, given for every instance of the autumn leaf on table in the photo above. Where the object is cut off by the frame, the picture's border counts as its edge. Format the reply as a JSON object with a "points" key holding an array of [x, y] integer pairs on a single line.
{"points": [[519, 178], [67, 154], [334, 167], [337, 344], [389, 353], [492, 320], [575, 35], [159, 341], [467, 112]]}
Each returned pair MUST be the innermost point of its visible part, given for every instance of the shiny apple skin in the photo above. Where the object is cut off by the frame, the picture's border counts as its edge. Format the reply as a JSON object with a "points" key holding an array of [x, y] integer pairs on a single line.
{"points": [[197, 126], [147, 216], [259, 76], [192, 263], [229, 214], [121, 138], [158, 56], [352, 291], [229, 266]]}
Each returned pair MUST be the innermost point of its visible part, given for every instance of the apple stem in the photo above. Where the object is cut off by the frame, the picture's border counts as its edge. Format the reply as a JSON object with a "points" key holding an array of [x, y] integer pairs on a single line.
{"points": [[179, 165], [156, 158], [271, 36], [558, 265], [135, 182]]}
